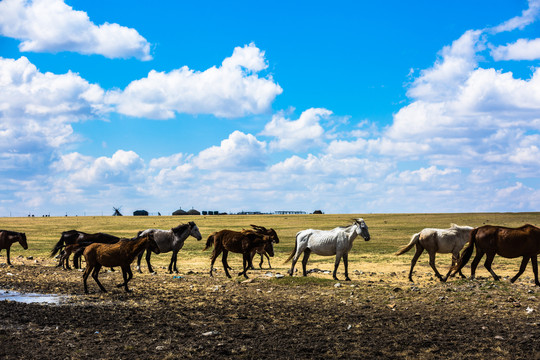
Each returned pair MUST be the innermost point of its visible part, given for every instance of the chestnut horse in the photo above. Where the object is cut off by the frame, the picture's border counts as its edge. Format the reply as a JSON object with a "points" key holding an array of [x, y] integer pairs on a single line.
{"points": [[506, 242], [268, 249], [7, 238], [243, 242], [120, 254], [78, 237]]}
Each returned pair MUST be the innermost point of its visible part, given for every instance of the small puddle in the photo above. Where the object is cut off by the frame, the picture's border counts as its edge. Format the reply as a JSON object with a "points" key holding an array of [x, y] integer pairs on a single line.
{"points": [[30, 298]]}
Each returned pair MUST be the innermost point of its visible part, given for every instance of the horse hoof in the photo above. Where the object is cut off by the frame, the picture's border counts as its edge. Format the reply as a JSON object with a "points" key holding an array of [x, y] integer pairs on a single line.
{"points": [[347, 279]]}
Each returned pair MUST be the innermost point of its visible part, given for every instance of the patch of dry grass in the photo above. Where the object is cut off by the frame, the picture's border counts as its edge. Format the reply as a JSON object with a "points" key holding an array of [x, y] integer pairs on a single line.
{"points": [[388, 233]]}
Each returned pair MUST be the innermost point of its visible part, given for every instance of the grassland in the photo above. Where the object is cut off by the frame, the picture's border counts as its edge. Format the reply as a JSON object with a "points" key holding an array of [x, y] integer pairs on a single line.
{"points": [[388, 232], [379, 314]]}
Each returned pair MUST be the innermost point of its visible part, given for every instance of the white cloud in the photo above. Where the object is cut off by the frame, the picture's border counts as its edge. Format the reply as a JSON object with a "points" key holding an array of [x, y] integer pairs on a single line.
{"points": [[522, 49], [84, 171], [445, 77], [232, 90], [37, 110], [298, 134], [240, 152], [527, 17], [53, 26]]}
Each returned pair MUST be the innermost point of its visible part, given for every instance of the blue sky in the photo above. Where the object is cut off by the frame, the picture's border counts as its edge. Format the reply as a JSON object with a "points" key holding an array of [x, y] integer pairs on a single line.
{"points": [[349, 107]]}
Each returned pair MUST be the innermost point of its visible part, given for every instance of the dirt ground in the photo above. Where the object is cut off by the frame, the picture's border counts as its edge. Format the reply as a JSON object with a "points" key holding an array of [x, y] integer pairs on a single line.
{"points": [[377, 315]]}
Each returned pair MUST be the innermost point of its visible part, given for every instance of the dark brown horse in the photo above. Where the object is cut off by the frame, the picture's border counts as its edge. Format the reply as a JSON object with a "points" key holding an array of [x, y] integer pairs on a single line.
{"points": [[506, 242], [268, 249], [237, 242], [72, 237], [120, 254], [7, 238]]}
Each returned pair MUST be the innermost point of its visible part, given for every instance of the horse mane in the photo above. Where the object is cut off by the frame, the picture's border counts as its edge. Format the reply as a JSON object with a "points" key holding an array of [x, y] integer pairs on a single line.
{"points": [[182, 227], [10, 232]]}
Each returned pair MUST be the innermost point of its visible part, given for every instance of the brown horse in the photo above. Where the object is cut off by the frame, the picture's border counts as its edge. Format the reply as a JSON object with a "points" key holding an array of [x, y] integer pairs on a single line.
{"points": [[120, 254], [72, 237], [268, 249], [7, 238], [506, 242], [237, 242]]}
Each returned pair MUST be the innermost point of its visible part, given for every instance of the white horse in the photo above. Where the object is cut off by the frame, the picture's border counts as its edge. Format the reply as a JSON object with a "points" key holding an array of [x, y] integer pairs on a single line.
{"points": [[442, 241], [337, 242], [169, 240]]}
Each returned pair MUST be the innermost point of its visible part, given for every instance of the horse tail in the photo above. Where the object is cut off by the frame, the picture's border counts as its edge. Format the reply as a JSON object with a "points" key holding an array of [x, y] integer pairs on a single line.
{"points": [[294, 251], [59, 245], [467, 252], [414, 241], [209, 241]]}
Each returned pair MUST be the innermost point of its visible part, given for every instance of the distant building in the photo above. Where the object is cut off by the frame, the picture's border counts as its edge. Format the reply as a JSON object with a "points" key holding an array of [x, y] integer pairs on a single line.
{"points": [[140, 213], [318, 212], [287, 212], [193, 212], [179, 212]]}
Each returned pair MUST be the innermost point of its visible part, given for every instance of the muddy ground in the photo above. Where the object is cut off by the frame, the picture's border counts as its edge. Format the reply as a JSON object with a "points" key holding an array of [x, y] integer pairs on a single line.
{"points": [[377, 315]]}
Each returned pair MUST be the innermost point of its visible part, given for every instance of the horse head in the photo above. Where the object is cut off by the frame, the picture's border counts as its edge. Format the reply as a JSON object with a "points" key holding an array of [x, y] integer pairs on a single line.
{"points": [[270, 232], [194, 231], [152, 244], [22, 240], [362, 229]]}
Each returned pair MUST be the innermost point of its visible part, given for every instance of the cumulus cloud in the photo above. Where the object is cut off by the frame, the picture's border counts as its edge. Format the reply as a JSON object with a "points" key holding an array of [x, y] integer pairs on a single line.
{"points": [[37, 110], [522, 49], [298, 134], [242, 152], [464, 116], [53, 26], [232, 90], [85, 171]]}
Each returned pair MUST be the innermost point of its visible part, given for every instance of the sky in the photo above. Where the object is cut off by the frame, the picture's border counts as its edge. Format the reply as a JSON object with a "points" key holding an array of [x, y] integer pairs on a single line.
{"points": [[345, 106]]}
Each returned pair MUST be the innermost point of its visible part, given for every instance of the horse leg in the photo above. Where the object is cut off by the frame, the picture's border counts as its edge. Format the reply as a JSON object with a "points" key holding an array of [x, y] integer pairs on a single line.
{"points": [[299, 251], [175, 260], [85, 277], [172, 264], [419, 251], [139, 257], [432, 264], [336, 264], [476, 261], [487, 265], [8, 260], [455, 259], [346, 263], [95, 276], [148, 254], [268, 257], [534, 261], [224, 262], [215, 254], [245, 262], [251, 256], [307, 252], [127, 275], [524, 263]]}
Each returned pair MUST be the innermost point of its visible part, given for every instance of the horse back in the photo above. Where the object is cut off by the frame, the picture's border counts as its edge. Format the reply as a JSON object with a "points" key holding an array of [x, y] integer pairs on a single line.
{"points": [[509, 242]]}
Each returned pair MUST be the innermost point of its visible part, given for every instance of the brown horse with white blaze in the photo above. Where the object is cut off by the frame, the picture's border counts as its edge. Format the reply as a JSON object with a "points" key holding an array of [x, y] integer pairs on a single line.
{"points": [[7, 238], [120, 254], [506, 242]]}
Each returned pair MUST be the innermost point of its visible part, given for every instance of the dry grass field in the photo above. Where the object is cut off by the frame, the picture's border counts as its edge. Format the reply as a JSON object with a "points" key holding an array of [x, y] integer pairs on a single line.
{"points": [[378, 315], [388, 233]]}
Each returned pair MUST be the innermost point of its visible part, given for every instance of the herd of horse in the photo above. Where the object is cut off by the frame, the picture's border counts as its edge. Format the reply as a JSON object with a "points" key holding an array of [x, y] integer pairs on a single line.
{"points": [[102, 249]]}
